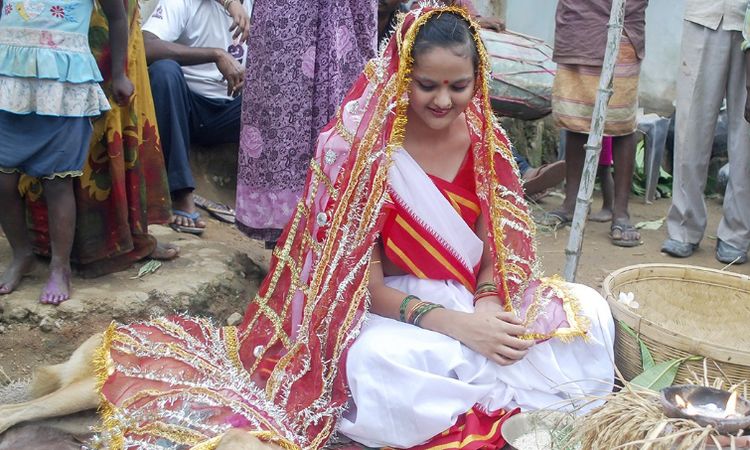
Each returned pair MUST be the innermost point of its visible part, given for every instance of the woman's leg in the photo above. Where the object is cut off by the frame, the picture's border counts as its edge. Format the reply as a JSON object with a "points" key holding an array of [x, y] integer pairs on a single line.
{"points": [[623, 232], [61, 210], [14, 227]]}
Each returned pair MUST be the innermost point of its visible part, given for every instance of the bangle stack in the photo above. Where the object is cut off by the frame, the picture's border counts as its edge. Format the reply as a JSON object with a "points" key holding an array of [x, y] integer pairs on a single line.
{"points": [[484, 290], [413, 313]]}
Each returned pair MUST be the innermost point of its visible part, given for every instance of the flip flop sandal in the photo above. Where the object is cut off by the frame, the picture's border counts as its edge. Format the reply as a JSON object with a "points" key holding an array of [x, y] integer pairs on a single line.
{"points": [[184, 228], [624, 242], [220, 211], [555, 220]]}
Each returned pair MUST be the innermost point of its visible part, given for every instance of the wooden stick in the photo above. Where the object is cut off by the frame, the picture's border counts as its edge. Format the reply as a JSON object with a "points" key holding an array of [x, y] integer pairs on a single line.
{"points": [[594, 144]]}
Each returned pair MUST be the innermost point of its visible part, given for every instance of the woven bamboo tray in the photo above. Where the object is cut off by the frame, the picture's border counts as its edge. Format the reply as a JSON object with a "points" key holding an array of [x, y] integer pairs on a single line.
{"points": [[684, 311]]}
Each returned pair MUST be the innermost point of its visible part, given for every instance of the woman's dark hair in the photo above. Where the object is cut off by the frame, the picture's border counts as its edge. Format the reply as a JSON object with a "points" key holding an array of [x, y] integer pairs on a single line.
{"points": [[447, 30]]}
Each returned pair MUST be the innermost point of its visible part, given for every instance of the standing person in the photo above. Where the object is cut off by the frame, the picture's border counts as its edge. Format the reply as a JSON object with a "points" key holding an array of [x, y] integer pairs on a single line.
{"points": [[303, 57], [49, 91], [580, 41], [196, 67], [123, 188], [712, 68]]}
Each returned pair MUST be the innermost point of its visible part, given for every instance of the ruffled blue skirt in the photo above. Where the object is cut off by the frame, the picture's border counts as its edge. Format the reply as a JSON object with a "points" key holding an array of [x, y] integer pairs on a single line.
{"points": [[43, 146]]}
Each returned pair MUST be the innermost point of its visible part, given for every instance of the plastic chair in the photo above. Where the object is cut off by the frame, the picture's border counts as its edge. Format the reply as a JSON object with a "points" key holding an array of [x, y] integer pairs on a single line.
{"points": [[654, 129]]}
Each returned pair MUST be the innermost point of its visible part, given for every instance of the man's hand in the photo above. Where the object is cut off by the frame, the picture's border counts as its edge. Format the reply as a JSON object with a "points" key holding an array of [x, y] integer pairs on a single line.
{"points": [[240, 21], [122, 90], [232, 71], [491, 23]]}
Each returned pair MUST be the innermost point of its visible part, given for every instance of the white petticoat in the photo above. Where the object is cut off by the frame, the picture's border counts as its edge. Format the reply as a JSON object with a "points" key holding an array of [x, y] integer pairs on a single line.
{"points": [[409, 384]]}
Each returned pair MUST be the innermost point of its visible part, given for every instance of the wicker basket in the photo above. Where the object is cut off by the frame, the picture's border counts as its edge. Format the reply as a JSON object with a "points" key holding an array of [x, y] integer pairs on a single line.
{"points": [[684, 311]]}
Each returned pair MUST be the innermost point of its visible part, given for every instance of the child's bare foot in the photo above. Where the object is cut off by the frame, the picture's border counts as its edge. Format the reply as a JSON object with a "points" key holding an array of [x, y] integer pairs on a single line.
{"points": [[604, 215], [11, 278], [57, 289]]}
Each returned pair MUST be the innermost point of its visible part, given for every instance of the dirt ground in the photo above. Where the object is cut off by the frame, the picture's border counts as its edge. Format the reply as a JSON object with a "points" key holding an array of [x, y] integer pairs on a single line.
{"points": [[600, 258], [217, 274], [214, 276]]}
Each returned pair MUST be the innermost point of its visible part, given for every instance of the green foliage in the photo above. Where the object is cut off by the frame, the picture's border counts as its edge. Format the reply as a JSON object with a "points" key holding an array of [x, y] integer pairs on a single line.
{"points": [[655, 376], [663, 185], [647, 361], [150, 267], [661, 375]]}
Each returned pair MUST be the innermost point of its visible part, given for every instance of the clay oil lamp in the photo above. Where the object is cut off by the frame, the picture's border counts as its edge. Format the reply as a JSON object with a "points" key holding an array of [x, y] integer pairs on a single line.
{"points": [[725, 411]]}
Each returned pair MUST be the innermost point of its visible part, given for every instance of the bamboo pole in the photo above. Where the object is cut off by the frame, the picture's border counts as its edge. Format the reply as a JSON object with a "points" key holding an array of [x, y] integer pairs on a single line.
{"points": [[594, 144]]}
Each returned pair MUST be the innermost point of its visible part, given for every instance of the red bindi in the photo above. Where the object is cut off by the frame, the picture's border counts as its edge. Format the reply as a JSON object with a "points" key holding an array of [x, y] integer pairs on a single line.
{"points": [[446, 81]]}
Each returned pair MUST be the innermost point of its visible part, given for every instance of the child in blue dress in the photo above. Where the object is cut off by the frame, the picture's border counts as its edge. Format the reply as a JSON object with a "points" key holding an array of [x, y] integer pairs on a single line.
{"points": [[49, 91]]}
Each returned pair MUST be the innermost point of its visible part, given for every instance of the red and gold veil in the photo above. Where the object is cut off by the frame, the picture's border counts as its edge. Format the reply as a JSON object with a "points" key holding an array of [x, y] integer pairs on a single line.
{"points": [[309, 309], [281, 373]]}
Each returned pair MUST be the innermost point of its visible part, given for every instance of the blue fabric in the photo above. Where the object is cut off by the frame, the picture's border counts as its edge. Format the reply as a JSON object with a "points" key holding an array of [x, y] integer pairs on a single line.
{"points": [[47, 39], [44, 63], [43, 146], [185, 117], [523, 163]]}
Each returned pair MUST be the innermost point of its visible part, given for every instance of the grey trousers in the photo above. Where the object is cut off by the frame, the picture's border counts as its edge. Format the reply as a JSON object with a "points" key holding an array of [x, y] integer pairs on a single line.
{"points": [[712, 67]]}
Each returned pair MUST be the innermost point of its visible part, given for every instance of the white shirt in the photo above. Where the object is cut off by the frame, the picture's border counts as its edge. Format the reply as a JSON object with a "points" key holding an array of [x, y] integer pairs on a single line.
{"points": [[711, 13], [201, 24]]}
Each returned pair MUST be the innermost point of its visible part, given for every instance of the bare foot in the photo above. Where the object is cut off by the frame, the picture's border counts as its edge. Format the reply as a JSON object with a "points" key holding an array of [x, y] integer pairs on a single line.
{"points": [[604, 215], [165, 252], [57, 289], [11, 278]]}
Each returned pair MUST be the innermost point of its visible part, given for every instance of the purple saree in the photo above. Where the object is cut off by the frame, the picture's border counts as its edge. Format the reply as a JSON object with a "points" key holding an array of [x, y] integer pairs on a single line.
{"points": [[303, 55]]}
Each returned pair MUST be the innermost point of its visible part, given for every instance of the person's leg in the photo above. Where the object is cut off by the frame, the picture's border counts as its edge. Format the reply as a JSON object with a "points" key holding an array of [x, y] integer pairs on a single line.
{"points": [[173, 104], [14, 227], [701, 82], [623, 153], [216, 121], [604, 174], [61, 212], [574, 156], [212, 122], [734, 228]]}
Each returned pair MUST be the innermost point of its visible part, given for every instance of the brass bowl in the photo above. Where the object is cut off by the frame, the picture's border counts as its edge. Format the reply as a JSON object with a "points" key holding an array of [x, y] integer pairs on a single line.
{"points": [[700, 395]]}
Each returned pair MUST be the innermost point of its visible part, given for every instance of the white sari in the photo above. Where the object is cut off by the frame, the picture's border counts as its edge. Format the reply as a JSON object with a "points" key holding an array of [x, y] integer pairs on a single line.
{"points": [[408, 384]]}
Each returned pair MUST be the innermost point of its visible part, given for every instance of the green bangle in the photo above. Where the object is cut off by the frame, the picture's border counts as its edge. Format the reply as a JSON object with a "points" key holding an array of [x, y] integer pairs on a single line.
{"points": [[404, 304], [423, 311], [486, 285]]}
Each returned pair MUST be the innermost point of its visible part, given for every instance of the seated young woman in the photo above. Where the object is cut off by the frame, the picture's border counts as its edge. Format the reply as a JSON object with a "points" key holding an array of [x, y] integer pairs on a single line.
{"points": [[438, 340], [402, 306]]}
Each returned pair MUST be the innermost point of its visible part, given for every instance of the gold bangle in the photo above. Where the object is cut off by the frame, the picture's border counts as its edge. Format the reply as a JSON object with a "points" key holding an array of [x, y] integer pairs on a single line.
{"points": [[376, 262]]}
